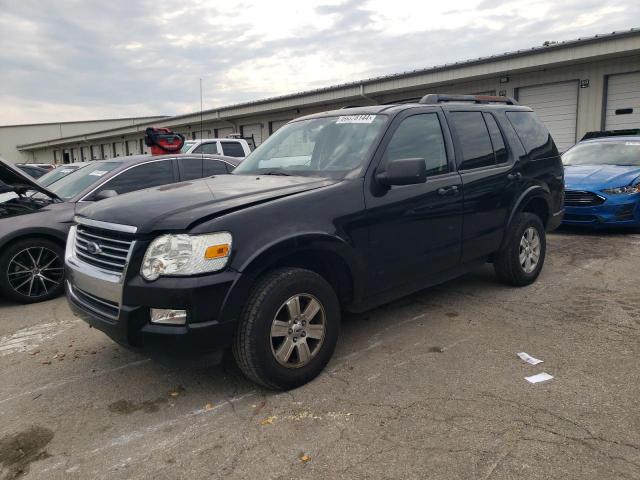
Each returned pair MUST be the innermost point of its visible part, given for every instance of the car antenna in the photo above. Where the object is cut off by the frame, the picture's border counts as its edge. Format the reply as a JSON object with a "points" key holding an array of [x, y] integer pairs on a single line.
{"points": [[201, 129]]}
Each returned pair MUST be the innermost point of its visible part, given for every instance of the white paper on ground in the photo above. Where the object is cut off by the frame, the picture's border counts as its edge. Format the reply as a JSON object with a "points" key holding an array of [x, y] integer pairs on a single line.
{"points": [[541, 377], [529, 359]]}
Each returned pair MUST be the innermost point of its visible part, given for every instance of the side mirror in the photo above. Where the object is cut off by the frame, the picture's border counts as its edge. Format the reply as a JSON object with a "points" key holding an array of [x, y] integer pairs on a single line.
{"points": [[102, 194], [403, 171]]}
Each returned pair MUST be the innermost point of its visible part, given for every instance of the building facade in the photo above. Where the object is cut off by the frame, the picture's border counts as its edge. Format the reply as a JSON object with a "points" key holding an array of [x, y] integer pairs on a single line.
{"points": [[574, 86]]}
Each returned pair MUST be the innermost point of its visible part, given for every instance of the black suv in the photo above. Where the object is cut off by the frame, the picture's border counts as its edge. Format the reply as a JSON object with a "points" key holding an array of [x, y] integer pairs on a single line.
{"points": [[346, 209]]}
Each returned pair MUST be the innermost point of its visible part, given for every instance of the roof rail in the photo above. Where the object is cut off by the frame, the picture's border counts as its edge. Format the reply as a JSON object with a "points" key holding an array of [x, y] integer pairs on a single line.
{"points": [[630, 132], [435, 98]]}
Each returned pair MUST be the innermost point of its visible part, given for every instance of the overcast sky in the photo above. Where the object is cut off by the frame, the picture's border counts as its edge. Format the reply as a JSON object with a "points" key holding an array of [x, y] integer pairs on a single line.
{"points": [[76, 60]]}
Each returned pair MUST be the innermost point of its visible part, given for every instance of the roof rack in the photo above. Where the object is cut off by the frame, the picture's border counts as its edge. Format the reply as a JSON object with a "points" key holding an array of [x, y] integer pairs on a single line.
{"points": [[435, 98], [612, 133]]}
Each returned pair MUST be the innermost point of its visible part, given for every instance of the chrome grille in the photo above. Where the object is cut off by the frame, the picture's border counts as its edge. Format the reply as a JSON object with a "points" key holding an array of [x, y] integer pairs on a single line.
{"points": [[104, 249], [578, 198]]}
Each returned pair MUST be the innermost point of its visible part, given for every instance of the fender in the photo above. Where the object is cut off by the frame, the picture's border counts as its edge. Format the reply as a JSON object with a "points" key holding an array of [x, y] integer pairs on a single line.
{"points": [[269, 255], [50, 233], [533, 191]]}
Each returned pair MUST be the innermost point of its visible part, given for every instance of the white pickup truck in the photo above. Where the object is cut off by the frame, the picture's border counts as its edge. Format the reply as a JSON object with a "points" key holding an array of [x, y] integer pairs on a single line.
{"points": [[230, 147]]}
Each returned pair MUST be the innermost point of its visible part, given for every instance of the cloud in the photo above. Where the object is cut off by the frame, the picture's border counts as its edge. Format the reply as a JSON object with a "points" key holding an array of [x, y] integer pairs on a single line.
{"points": [[72, 59]]}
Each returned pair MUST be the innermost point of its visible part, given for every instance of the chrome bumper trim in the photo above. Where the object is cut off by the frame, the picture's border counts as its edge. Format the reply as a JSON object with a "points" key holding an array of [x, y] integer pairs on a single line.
{"points": [[106, 225]]}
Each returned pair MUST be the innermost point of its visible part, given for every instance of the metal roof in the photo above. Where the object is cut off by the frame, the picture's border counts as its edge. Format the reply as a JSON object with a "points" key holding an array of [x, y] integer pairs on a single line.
{"points": [[546, 47]]}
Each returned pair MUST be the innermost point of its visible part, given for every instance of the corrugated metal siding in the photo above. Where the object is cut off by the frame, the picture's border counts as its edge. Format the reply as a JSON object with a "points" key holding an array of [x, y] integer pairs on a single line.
{"points": [[556, 105], [623, 94]]}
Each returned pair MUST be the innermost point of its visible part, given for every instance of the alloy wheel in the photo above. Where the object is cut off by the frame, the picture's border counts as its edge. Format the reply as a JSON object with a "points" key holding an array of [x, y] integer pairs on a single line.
{"points": [[298, 330], [35, 271], [529, 254]]}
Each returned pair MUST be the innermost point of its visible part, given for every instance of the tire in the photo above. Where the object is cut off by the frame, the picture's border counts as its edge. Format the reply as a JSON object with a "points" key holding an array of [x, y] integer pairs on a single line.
{"points": [[32, 270], [267, 329], [508, 263]]}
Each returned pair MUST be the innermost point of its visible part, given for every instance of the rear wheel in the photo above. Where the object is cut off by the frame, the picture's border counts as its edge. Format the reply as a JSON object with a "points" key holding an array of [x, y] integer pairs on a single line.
{"points": [[32, 270], [521, 260], [288, 330]]}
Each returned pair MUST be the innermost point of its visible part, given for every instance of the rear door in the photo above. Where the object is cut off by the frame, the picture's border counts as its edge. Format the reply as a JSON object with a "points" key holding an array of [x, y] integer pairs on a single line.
{"points": [[490, 184], [415, 230]]}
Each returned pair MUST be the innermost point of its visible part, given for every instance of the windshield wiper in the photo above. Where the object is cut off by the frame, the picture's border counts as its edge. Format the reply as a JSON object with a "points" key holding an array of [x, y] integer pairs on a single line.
{"points": [[276, 172]]}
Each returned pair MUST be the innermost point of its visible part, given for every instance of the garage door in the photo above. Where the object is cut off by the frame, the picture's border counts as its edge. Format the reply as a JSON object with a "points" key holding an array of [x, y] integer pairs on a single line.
{"points": [[85, 155], [255, 131], [224, 132], [276, 124], [556, 104], [623, 101], [134, 147]]}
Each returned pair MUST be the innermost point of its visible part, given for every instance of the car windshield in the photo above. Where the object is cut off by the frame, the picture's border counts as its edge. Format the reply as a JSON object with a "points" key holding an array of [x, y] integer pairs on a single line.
{"points": [[56, 174], [75, 182], [604, 153], [187, 146], [326, 147]]}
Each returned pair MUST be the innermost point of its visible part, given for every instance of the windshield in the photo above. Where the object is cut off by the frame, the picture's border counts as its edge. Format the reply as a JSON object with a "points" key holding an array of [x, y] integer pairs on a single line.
{"points": [[56, 174], [604, 153], [187, 146], [328, 147], [75, 182]]}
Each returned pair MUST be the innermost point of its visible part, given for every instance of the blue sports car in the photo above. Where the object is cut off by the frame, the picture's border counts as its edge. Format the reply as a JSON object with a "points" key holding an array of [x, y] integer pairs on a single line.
{"points": [[602, 182]]}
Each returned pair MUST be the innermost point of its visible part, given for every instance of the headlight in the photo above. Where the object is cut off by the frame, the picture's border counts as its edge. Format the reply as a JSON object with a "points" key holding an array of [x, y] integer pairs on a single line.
{"points": [[178, 255], [626, 190]]}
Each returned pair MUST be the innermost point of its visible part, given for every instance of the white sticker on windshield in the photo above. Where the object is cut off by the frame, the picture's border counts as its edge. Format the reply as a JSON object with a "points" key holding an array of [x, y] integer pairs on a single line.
{"points": [[356, 119], [98, 173], [66, 170], [632, 143]]}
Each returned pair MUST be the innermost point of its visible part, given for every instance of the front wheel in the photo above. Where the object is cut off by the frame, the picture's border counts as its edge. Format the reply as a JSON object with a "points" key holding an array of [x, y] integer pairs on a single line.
{"points": [[32, 270], [288, 329], [519, 263]]}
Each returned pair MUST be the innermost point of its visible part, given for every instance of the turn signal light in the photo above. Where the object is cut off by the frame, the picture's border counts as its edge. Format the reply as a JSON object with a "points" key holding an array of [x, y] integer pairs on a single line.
{"points": [[216, 251]]}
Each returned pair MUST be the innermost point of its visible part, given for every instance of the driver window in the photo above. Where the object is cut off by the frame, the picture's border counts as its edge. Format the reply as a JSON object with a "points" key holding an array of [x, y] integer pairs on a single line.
{"points": [[419, 136]]}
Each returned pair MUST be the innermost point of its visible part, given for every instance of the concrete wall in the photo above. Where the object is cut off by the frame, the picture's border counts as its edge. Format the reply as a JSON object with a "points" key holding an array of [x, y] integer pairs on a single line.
{"points": [[13, 135]]}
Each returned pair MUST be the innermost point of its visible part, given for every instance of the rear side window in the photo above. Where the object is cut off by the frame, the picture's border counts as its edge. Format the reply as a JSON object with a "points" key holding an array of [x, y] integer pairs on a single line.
{"points": [[213, 167], [499, 148], [474, 140], [419, 136], [533, 134], [207, 148], [232, 149], [191, 168], [147, 175]]}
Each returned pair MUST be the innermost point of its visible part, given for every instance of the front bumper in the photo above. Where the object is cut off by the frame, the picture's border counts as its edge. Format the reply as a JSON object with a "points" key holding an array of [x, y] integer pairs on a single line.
{"points": [[119, 305], [615, 212]]}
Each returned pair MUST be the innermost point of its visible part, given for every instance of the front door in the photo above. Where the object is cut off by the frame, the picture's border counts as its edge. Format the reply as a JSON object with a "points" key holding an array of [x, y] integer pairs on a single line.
{"points": [[415, 230]]}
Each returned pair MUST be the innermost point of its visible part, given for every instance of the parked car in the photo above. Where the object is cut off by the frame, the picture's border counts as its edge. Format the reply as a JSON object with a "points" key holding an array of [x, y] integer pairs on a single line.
{"points": [[32, 170], [45, 166], [602, 178], [34, 220], [346, 209], [231, 147], [62, 171]]}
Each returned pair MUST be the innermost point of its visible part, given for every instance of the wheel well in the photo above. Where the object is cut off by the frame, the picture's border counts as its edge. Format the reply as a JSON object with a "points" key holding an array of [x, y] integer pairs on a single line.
{"points": [[328, 265], [28, 236], [538, 206]]}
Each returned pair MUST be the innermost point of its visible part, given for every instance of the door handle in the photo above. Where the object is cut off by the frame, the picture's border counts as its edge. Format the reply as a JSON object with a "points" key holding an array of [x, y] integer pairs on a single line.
{"points": [[444, 191], [514, 176]]}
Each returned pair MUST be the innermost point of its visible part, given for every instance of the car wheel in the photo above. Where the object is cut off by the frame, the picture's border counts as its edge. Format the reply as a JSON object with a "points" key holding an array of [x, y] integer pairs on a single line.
{"points": [[521, 260], [288, 329], [32, 270]]}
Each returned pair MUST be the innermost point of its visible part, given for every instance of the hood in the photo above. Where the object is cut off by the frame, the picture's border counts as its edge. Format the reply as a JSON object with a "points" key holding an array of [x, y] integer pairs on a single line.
{"points": [[178, 206], [20, 181], [599, 176]]}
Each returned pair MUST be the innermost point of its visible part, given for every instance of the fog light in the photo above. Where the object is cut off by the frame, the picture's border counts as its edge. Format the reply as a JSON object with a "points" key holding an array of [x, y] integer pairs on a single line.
{"points": [[168, 317]]}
